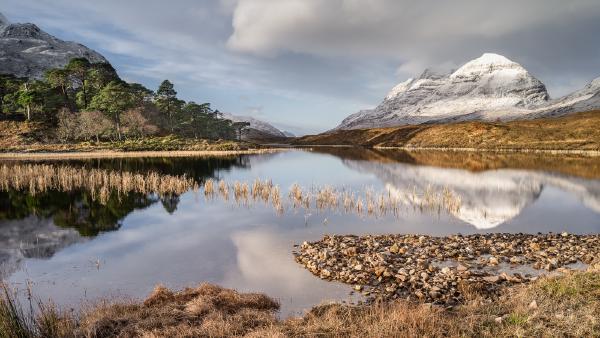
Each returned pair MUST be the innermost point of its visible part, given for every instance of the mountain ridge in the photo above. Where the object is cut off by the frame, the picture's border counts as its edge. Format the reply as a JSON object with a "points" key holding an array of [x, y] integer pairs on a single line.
{"points": [[489, 88]]}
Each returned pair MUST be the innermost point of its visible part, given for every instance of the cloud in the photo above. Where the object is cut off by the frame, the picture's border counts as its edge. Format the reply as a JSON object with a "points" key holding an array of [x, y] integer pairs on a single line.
{"points": [[543, 34]]}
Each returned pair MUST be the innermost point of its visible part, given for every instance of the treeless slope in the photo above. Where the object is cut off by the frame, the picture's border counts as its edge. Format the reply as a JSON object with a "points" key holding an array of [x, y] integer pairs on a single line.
{"points": [[574, 132]]}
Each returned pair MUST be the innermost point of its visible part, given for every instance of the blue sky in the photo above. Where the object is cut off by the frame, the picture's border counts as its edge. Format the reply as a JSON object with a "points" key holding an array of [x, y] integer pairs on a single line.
{"points": [[304, 65]]}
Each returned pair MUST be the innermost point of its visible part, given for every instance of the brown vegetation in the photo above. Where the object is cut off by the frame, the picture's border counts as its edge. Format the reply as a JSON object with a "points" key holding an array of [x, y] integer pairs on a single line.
{"points": [[561, 306], [574, 132]]}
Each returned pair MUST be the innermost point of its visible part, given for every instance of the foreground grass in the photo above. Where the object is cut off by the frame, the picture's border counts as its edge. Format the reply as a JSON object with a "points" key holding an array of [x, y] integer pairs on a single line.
{"points": [[573, 132], [561, 306]]}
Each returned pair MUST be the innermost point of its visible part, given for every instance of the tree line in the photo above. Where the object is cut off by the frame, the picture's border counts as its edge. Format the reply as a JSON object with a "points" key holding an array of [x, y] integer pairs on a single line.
{"points": [[86, 101]]}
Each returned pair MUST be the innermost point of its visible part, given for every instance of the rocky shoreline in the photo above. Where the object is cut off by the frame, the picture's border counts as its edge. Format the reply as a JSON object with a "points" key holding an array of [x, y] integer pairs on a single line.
{"points": [[444, 270]]}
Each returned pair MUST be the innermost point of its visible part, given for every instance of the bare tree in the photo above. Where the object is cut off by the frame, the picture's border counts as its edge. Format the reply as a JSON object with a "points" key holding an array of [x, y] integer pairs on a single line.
{"points": [[93, 125], [136, 125], [67, 128]]}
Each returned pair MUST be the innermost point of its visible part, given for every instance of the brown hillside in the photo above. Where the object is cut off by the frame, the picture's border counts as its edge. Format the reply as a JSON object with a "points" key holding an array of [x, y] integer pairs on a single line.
{"points": [[579, 131]]}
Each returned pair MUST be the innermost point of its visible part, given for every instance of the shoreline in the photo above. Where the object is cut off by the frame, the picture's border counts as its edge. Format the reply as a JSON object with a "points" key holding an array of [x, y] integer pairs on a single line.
{"points": [[590, 153], [65, 155]]}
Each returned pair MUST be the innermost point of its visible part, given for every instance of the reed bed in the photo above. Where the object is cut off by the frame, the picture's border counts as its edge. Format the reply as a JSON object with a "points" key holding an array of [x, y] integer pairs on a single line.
{"points": [[39, 178]]}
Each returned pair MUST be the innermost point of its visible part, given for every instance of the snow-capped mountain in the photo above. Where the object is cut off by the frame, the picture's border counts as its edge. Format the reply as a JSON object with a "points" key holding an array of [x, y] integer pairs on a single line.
{"points": [[28, 51], [258, 129], [490, 87]]}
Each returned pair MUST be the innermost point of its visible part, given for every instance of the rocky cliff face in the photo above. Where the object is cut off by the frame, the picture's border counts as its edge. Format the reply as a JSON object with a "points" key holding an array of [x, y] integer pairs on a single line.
{"points": [[490, 87], [28, 51]]}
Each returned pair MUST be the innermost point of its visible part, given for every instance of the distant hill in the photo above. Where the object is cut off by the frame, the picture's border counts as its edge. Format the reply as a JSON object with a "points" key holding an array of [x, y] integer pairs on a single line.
{"points": [[27, 51], [258, 129]]}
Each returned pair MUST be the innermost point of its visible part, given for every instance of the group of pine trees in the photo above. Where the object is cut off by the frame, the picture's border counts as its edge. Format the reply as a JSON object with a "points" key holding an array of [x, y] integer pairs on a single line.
{"points": [[88, 101]]}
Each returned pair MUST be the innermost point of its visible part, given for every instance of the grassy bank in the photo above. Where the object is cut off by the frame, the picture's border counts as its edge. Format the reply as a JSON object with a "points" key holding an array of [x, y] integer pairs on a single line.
{"points": [[570, 133], [560, 306]]}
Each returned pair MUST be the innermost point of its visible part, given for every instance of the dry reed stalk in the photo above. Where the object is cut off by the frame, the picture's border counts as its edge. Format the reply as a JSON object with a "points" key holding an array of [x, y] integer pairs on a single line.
{"points": [[224, 190], [209, 187]]}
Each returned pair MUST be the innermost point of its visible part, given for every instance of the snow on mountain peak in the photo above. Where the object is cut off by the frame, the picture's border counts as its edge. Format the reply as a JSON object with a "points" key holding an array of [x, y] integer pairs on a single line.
{"points": [[492, 58], [488, 63]]}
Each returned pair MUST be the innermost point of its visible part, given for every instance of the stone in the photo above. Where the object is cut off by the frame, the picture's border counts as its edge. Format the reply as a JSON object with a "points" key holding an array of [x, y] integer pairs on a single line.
{"points": [[467, 260], [461, 268], [491, 279], [533, 305], [394, 248]]}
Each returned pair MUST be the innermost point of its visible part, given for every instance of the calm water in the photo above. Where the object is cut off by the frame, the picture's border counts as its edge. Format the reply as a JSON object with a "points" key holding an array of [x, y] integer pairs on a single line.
{"points": [[73, 249]]}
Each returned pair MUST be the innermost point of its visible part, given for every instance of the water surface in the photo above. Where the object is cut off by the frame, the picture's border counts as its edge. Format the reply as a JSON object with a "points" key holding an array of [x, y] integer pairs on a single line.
{"points": [[73, 248]]}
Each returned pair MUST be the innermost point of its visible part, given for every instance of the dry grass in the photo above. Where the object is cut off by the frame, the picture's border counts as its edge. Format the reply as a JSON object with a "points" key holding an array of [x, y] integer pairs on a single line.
{"points": [[576, 132], [565, 306], [561, 306], [204, 311]]}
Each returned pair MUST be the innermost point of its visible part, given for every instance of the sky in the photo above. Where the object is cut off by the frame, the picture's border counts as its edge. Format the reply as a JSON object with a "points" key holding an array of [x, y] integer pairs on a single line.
{"points": [[304, 65]]}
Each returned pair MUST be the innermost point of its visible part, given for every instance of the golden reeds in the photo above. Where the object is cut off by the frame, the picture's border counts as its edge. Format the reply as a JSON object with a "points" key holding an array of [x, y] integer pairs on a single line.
{"points": [[39, 178]]}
